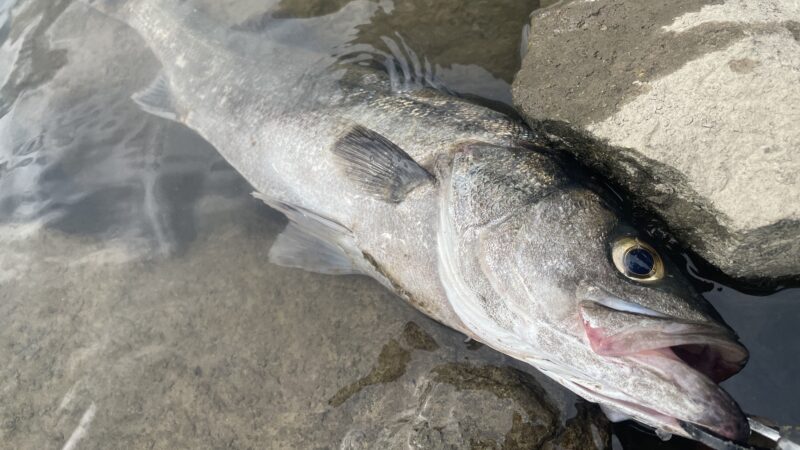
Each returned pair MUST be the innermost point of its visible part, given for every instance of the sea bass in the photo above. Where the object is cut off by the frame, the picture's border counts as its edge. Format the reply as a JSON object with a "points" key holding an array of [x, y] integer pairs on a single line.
{"points": [[455, 207]]}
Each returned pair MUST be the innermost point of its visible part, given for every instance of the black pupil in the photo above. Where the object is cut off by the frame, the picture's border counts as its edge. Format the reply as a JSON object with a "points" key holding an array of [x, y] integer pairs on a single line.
{"points": [[639, 261]]}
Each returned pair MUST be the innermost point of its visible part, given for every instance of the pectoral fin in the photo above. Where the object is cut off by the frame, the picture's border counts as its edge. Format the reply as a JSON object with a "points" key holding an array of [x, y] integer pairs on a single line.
{"points": [[377, 165], [156, 99]]}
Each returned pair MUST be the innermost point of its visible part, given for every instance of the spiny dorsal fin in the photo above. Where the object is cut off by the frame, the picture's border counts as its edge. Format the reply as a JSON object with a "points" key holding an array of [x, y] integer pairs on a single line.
{"points": [[377, 165], [406, 71], [156, 98]]}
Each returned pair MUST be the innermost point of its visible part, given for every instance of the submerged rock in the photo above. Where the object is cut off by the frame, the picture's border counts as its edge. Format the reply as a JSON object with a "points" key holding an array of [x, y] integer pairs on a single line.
{"points": [[691, 106]]}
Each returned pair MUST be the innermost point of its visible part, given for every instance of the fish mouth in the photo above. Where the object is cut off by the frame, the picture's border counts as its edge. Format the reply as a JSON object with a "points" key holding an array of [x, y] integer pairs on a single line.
{"points": [[692, 356]]}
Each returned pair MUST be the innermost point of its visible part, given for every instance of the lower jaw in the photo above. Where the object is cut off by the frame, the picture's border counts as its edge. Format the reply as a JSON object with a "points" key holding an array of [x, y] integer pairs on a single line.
{"points": [[725, 420], [648, 416], [642, 414]]}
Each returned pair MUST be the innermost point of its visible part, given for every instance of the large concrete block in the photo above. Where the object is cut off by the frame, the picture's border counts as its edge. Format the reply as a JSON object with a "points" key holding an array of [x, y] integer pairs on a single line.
{"points": [[692, 106]]}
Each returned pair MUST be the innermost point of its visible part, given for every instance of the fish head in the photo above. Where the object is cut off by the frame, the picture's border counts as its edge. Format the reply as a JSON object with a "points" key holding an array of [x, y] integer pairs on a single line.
{"points": [[543, 269]]}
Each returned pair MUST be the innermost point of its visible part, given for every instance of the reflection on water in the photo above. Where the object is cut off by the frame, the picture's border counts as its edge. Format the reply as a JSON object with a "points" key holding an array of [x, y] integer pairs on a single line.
{"points": [[136, 302], [78, 156]]}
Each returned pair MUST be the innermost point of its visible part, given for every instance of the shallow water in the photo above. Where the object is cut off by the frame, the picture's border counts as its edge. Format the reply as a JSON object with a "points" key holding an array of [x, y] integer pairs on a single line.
{"points": [[137, 306]]}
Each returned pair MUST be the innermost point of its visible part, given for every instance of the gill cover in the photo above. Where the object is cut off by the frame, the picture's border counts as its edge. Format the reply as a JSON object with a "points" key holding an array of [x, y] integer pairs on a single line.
{"points": [[484, 188]]}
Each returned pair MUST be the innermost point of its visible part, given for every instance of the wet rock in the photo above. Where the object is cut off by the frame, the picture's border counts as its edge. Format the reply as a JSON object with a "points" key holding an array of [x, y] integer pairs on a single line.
{"points": [[417, 338], [589, 429], [691, 106], [533, 419], [454, 404], [392, 364]]}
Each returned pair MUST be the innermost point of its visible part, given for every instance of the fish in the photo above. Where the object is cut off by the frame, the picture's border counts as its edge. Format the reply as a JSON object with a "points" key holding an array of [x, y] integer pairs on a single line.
{"points": [[459, 209]]}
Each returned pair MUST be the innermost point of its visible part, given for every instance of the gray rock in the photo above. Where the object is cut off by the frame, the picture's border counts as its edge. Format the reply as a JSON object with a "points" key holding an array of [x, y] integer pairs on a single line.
{"points": [[691, 106]]}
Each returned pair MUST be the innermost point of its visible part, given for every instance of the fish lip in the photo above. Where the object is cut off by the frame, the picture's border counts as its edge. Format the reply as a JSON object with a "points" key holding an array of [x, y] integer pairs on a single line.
{"points": [[708, 347], [602, 297], [668, 345]]}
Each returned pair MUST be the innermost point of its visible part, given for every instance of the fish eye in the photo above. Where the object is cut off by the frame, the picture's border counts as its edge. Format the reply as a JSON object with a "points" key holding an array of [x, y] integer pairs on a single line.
{"points": [[637, 260]]}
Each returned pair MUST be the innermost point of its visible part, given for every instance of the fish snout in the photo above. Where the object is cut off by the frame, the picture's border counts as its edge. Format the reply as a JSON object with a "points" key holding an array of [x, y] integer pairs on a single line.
{"points": [[682, 360]]}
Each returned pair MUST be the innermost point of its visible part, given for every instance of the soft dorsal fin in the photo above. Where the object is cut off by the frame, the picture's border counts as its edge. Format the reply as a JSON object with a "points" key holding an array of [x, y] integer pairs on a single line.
{"points": [[377, 165], [156, 98]]}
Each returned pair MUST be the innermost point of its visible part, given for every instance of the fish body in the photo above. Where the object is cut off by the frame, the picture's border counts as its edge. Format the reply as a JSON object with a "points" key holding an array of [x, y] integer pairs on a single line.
{"points": [[278, 125], [451, 205]]}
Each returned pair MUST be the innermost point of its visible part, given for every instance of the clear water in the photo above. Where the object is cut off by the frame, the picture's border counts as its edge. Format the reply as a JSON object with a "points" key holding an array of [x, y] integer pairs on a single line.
{"points": [[137, 306]]}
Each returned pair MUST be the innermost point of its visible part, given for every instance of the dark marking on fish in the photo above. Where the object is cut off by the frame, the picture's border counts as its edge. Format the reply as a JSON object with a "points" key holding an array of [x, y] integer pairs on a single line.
{"points": [[378, 165]]}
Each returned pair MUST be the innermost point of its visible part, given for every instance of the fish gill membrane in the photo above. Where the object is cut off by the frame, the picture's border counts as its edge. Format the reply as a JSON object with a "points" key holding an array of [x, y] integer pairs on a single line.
{"points": [[480, 228]]}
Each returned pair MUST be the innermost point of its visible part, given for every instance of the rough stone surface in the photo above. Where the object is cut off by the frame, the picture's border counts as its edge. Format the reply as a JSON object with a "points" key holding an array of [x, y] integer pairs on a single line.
{"points": [[691, 106]]}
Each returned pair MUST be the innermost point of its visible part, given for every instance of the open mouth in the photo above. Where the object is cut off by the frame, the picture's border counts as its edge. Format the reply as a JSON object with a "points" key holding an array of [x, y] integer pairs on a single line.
{"points": [[718, 362], [708, 348], [680, 351]]}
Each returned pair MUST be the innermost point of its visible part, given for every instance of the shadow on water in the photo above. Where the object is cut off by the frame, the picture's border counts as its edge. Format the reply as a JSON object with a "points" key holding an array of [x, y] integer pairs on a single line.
{"points": [[77, 157]]}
